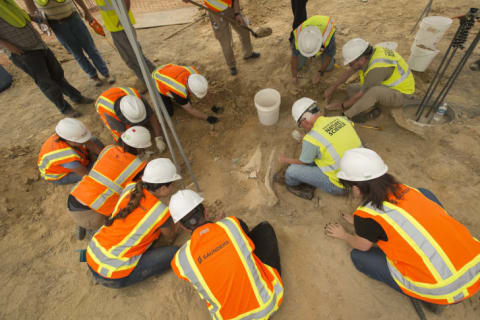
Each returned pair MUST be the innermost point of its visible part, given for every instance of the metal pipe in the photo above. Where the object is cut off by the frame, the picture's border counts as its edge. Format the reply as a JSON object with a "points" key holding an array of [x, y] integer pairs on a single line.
{"points": [[159, 109]]}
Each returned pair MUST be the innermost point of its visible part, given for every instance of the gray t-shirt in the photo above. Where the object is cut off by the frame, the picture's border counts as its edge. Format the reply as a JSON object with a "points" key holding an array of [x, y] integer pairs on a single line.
{"points": [[309, 153], [26, 38], [376, 76]]}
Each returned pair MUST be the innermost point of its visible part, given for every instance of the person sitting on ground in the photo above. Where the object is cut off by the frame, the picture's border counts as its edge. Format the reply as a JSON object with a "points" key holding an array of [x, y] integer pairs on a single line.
{"points": [[323, 146], [69, 153], [178, 83], [121, 252], [420, 250], [94, 198], [315, 36], [123, 107], [236, 271], [385, 79]]}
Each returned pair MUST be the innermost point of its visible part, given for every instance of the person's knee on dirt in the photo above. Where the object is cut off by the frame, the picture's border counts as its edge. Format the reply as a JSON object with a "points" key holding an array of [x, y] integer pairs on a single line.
{"points": [[179, 83], [212, 254], [323, 145], [411, 229], [377, 67], [116, 166], [68, 154], [314, 37], [123, 107], [121, 252]]}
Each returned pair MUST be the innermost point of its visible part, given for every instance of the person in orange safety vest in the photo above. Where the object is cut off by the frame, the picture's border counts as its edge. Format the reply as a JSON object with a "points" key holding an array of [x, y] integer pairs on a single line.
{"points": [[68, 154], [93, 199], [177, 83], [123, 107], [421, 250], [121, 252], [236, 271]]}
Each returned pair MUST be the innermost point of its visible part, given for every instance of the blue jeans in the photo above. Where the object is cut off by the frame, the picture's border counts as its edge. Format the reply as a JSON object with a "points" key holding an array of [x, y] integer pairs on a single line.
{"points": [[70, 178], [312, 175], [74, 36], [373, 262], [154, 261]]}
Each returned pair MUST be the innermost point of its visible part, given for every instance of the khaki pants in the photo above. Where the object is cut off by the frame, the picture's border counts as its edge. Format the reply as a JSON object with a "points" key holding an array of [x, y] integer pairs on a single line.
{"points": [[223, 32], [382, 95], [89, 219]]}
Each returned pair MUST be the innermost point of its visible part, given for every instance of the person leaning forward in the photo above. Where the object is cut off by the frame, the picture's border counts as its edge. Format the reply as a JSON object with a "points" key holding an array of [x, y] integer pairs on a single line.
{"points": [[323, 146], [421, 250], [28, 52], [385, 78], [68, 154], [223, 32], [314, 37], [177, 83], [236, 271], [123, 107], [95, 196]]}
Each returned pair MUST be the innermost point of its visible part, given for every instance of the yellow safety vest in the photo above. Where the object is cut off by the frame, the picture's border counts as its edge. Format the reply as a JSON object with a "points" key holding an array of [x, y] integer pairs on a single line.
{"points": [[13, 14], [401, 78], [334, 136], [43, 3], [109, 16], [324, 23]]}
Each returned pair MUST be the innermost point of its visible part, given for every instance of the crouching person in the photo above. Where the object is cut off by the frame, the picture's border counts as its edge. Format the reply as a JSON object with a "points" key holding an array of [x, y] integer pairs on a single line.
{"points": [[236, 271]]}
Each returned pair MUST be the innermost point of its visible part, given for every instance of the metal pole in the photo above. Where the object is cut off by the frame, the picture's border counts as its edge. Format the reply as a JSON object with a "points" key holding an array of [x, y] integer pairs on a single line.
{"points": [[425, 12], [159, 107]]}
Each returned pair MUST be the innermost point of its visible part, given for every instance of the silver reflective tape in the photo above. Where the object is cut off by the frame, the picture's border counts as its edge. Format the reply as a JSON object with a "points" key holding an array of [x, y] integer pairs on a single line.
{"points": [[170, 83], [111, 261], [132, 167], [105, 181], [98, 203], [54, 156]]}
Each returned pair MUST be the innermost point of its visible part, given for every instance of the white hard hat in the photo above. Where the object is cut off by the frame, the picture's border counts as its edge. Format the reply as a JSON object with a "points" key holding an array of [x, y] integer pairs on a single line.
{"points": [[133, 109], [72, 130], [361, 164], [182, 202], [198, 85], [300, 106], [310, 41], [161, 170], [137, 137], [353, 49]]}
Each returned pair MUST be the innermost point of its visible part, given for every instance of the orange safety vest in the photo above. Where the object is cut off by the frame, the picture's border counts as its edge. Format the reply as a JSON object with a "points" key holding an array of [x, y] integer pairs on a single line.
{"points": [[219, 261], [172, 78], [218, 5], [112, 171], [115, 250], [55, 153], [105, 106], [431, 256]]}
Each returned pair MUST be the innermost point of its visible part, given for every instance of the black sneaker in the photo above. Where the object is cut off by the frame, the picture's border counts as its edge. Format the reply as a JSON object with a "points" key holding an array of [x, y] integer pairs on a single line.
{"points": [[303, 191], [233, 71], [83, 100], [72, 113], [80, 233], [254, 55], [434, 308]]}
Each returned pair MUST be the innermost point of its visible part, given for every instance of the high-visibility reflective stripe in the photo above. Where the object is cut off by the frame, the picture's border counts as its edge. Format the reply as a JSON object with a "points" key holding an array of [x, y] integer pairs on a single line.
{"points": [[431, 254], [171, 83], [97, 176], [128, 171], [404, 74], [187, 269], [190, 70], [105, 103], [56, 155], [105, 150], [327, 31], [129, 188], [469, 274], [262, 314], [142, 228], [218, 4], [403, 77], [105, 262], [101, 199], [241, 245], [129, 91], [331, 150], [53, 176]]}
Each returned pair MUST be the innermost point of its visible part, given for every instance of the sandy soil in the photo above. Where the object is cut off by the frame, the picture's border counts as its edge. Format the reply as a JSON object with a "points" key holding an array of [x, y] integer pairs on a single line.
{"points": [[40, 274]]}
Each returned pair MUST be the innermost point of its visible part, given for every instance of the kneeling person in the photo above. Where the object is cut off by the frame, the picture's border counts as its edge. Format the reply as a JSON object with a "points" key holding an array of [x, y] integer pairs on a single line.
{"points": [[236, 271]]}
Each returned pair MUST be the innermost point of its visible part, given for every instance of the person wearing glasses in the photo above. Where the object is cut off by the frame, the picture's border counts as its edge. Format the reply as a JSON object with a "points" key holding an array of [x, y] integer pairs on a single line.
{"points": [[385, 79], [323, 146]]}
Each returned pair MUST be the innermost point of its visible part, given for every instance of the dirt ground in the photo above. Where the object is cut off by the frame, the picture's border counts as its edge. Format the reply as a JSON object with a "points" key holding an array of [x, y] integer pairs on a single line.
{"points": [[40, 274]]}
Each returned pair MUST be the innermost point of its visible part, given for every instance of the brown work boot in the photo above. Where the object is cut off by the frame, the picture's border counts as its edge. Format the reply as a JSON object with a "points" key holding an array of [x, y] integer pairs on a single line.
{"points": [[366, 116], [303, 191], [434, 308]]}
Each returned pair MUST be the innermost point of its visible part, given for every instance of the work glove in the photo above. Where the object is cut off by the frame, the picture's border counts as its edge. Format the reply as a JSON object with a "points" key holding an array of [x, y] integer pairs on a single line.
{"points": [[217, 109], [161, 146], [212, 119]]}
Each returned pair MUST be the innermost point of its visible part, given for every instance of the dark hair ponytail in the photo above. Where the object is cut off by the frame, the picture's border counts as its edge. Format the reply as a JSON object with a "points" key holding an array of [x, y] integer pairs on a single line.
{"points": [[126, 147], [375, 191]]}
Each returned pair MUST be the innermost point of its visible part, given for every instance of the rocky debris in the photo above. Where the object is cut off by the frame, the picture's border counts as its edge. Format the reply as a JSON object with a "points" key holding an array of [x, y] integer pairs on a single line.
{"points": [[17, 151]]}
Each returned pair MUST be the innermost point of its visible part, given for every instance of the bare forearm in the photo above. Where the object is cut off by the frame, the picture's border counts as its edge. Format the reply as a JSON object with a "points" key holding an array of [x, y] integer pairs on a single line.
{"points": [[294, 66], [325, 63], [293, 161], [357, 242], [344, 77], [194, 112]]}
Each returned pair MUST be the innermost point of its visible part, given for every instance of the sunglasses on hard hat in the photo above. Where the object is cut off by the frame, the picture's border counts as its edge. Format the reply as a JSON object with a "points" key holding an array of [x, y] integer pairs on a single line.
{"points": [[312, 109]]}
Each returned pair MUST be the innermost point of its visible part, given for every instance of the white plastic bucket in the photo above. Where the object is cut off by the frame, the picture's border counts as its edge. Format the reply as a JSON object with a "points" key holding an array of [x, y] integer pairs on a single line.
{"points": [[432, 30], [267, 101], [388, 44], [420, 58]]}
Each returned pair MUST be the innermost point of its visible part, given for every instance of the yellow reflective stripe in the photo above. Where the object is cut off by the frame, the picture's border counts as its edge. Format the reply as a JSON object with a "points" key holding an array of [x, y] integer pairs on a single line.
{"points": [[220, 6], [128, 189], [129, 91], [190, 70], [104, 102]]}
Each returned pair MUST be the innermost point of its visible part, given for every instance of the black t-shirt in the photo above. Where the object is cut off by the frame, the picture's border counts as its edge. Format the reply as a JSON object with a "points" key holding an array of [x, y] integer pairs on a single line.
{"points": [[369, 229], [180, 100]]}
